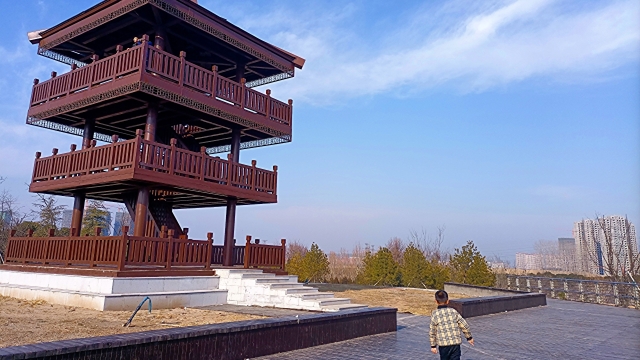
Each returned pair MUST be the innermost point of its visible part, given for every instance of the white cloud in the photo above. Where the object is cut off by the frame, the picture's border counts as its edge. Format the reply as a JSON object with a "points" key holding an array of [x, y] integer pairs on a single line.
{"points": [[467, 48]]}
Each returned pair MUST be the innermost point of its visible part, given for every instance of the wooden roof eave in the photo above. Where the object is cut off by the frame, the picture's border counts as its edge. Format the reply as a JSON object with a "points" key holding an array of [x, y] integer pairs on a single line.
{"points": [[75, 22]]}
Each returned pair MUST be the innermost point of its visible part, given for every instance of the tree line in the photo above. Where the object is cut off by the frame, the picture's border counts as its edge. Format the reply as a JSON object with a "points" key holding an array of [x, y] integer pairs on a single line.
{"points": [[419, 264]]}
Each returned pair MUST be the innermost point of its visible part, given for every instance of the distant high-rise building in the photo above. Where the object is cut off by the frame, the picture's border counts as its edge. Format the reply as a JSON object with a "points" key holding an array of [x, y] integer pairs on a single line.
{"points": [[567, 254], [526, 261], [122, 219], [66, 219], [106, 231], [5, 217], [610, 243]]}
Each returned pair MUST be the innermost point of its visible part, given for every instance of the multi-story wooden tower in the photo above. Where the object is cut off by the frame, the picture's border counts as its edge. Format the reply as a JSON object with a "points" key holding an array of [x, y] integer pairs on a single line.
{"points": [[166, 102]]}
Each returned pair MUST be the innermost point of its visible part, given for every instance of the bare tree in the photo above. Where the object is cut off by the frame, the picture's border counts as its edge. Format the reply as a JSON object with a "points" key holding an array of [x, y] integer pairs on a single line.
{"points": [[430, 246], [396, 246], [11, 217], [549, 254]]}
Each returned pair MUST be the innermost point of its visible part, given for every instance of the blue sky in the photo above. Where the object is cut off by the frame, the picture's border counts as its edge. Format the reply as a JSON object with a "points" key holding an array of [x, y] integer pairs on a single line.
{"points": [[505, 121]]}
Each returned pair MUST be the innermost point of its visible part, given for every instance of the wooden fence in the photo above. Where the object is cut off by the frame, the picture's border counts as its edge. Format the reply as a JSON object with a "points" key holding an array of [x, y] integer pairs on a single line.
{"points": [[593, 291], [161, 158], [169, 67], [130, 252], [117, 252], [265, 256]]}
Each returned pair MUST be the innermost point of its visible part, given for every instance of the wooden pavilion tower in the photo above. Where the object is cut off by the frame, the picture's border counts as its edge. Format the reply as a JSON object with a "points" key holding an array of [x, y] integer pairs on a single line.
{"points": [[166, 102]]}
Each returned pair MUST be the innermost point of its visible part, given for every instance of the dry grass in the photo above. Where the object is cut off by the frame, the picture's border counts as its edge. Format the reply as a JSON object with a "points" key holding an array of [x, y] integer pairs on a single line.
{"points": [[23, 322], [414, 301]]}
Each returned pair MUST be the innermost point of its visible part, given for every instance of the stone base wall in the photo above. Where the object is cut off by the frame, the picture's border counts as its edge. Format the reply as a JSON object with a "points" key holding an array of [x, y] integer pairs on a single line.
{"points": [[228, 341]]}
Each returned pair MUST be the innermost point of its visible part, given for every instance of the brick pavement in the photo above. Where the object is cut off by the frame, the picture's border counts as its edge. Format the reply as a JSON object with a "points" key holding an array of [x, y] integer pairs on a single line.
{"points": [[561, 330]]}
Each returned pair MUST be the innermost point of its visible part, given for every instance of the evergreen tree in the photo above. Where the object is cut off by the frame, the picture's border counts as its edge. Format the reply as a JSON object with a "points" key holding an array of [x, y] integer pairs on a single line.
{"points": [[95, 215], [294, 265], [470, 267], [415, 267], [438, 274], [315, 264], [381, 269]]}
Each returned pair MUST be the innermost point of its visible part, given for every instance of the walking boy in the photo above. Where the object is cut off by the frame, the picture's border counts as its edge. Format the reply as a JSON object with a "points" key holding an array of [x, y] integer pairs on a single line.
{"points": [[443, 330]]}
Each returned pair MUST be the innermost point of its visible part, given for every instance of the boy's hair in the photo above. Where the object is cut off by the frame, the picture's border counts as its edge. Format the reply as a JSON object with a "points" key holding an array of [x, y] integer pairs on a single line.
{"points": [[442, 297]]}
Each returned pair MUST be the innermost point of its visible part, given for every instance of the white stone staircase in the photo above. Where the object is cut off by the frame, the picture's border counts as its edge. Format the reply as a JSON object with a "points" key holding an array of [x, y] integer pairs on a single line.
{"points": [[256, 288]]}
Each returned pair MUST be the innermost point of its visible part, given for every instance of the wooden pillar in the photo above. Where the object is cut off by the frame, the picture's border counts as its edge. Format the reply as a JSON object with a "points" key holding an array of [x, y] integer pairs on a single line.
{"points": [[240, 69], [152, 121], [142, 205], [230, 222], [79, 198], [87, 136]]}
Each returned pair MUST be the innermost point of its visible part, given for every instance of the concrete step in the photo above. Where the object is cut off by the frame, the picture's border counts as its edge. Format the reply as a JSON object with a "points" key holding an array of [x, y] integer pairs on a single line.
{"points": [[300, 290], [238, 271], [328, 301], [314, 295], [276, 280], [279, 286], [339, 307], [257, 276]]}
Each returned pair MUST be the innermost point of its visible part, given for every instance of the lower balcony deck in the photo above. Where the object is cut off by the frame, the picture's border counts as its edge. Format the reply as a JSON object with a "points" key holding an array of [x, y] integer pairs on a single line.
{"points": [[183, 178]]}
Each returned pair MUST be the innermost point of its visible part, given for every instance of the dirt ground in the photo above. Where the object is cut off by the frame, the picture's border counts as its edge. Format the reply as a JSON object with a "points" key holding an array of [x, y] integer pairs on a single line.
{"points": [[25, 322], [414, 301]]}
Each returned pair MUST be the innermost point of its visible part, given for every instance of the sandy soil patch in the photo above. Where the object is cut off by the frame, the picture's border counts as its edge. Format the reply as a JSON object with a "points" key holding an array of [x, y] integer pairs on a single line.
{"points": [[414, 301], [26, 322]]}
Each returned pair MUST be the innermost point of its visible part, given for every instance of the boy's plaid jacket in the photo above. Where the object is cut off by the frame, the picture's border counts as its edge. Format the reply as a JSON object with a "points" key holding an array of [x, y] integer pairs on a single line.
{"points": [[445, 327]]}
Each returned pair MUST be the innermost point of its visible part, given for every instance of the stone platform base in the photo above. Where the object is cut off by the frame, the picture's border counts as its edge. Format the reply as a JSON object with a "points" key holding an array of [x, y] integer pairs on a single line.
{"points": [[112, 294]]}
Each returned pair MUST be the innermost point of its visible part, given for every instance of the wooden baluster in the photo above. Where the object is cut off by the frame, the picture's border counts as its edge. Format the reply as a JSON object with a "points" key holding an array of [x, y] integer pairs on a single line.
{"points": [[35, 166], [209, 249], [70, 78], [275, 179], [183, 55], [67, 249], [289, 118], [139, 149], [163, 231], [123, 248], [33, 90], [230, 169], [92, 69], [243, 92], [267, 105], [172, 157], [203, 158], [253, 174], [214, 81], [94, 247], [247, 251], [54, 152], [170, 250], [112, 151], [50, 89], [283, 253]]}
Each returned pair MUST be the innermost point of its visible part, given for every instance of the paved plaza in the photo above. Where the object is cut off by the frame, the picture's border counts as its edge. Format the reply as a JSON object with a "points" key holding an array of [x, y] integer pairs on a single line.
{"points": [[560, 330]]}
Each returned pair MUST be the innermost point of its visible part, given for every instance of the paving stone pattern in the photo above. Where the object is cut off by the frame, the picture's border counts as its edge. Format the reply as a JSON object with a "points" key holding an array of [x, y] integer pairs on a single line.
{"points": [[560, 330]]}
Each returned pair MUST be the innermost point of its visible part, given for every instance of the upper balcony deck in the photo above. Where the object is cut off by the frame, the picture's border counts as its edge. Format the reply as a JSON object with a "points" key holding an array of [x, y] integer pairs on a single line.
{"points": [[115, 92], [183, 178]]}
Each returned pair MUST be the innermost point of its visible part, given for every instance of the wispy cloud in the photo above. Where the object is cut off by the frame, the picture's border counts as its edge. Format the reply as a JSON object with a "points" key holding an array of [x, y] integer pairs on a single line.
{"points": [[470, 49]]}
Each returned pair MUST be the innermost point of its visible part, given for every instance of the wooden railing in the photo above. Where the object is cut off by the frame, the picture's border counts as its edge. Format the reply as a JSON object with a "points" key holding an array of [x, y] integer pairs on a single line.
{"points": [[169, 67], [217, 255], [149, 155], [131, 252], [265, 256], [117, 252]]}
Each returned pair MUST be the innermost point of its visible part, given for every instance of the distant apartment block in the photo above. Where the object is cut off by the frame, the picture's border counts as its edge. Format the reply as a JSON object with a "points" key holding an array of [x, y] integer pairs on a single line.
{"points": [[526, 261], [122, 219], [66, 219], [612, 242], [567, 254]]}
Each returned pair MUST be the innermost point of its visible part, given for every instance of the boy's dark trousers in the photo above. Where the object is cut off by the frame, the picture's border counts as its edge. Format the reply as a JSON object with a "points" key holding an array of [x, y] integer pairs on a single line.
{"points": [[449, 352]]}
